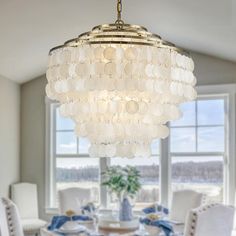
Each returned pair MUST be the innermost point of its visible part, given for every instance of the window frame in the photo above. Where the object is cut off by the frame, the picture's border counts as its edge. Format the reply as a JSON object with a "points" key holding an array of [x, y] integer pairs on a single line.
{"points": [[228, 90], [212, 91], [224, 154], [164, 156]]}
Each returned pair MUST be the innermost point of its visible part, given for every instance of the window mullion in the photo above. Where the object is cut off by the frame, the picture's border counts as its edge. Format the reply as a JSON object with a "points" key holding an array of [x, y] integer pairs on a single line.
{"points": [[196, 124], [54, 141], [77, 143], [103, 164], [165, 172]]}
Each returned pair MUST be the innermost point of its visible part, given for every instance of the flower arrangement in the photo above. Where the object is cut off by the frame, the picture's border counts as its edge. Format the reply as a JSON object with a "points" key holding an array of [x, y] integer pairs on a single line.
{"points": [[123, 181]]}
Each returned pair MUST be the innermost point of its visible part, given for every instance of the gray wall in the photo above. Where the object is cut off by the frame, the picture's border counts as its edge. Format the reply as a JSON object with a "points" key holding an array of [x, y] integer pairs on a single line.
{"points": [[33, 135], [212, 70], [9, 134], [209, 70]]}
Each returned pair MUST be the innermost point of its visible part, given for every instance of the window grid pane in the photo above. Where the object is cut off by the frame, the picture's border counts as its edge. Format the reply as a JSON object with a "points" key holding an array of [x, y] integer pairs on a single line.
{"points": [[188, 115], [210, 112], [63, 123], [205, 141], [66, 143], [182, 140]]}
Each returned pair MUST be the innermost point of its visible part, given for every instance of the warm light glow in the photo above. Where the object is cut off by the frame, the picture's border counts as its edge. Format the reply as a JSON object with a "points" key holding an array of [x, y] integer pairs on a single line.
{"points": [[120, 103]]}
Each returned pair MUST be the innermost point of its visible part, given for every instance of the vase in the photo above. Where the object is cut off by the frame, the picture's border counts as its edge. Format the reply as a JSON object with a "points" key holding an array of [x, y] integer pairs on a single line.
{"points": [[125, 210]]}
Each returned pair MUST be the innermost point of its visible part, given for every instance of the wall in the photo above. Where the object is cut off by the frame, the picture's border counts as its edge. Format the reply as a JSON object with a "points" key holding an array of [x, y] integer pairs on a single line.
{"points": [[33, 134], [212, 70], [9, 134], [209, 70]]}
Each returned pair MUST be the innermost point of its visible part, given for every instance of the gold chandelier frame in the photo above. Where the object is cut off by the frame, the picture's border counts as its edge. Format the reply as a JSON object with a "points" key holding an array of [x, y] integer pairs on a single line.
{"points": [[120, 33]]}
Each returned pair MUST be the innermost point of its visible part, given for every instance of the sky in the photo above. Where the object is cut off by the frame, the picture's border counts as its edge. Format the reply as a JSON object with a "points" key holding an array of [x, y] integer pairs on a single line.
{"points": [[183, 138]]}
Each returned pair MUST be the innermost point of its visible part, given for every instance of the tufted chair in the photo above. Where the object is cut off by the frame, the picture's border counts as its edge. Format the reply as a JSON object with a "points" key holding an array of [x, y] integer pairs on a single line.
{"points": [[71, 198], [10, 224], [24, 195], [210, 220], [182, 202]]}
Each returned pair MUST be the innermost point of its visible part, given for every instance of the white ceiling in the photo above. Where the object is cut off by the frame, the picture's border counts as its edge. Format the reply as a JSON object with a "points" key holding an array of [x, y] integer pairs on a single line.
{"points": [[29, 28]]}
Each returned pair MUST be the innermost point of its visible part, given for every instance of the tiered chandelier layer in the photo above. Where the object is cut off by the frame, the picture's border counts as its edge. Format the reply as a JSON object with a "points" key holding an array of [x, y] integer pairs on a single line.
{"points": [[120, 84]]}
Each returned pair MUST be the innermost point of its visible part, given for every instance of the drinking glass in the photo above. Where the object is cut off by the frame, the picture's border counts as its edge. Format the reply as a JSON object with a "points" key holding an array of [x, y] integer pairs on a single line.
{"points": [[93, 214], [141, 231]]}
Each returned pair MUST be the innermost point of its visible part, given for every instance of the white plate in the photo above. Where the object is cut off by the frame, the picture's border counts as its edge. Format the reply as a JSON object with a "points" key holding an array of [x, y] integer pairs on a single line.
{"points": [[84, 221], [72, 231], [109, 223]]}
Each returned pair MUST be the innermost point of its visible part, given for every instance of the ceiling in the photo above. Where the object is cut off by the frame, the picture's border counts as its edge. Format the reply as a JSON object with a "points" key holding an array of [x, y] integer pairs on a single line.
{"points": [[29, 28]]}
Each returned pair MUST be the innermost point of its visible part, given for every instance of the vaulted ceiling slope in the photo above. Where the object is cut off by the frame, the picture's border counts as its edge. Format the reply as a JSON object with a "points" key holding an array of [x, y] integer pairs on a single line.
{"points": [[29, 28]]}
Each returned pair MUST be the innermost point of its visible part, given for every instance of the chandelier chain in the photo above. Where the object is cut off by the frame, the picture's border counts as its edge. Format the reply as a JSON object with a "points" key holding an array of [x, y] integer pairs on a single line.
{"points": [[119, 9], [119, 22]]}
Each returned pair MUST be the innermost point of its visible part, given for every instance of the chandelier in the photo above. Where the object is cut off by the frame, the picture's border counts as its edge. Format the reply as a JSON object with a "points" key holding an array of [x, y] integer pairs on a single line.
{"points": [[120, 84]]}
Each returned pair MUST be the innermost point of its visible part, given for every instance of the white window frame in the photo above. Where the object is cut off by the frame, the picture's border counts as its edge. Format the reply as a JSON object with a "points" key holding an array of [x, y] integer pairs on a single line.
{"points": [[224, 154], [164, 158], [228, 90]]}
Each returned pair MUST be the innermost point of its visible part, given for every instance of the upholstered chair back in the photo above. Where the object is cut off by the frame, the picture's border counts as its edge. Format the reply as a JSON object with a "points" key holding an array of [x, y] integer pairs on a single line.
{"points": [[72, 198], [182, 202], [10, 224], [24, 195], [210, 220], [3, 220]]}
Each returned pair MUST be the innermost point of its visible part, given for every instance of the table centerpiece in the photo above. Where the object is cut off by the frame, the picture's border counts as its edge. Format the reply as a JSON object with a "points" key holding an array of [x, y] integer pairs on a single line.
{"points": [[124, 183]]}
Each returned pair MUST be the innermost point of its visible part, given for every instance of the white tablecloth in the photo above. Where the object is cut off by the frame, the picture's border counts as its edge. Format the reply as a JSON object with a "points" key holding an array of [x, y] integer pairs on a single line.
{"points": [[45, 232]]}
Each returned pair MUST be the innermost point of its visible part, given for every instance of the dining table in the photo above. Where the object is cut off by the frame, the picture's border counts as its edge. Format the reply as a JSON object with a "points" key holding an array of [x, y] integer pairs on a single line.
{"points": [[94, 229]]}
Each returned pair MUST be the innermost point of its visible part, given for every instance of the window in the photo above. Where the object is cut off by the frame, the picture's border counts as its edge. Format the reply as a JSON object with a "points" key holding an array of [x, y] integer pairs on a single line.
{"points": [[197, 146], [73, 166], [195, 156]]}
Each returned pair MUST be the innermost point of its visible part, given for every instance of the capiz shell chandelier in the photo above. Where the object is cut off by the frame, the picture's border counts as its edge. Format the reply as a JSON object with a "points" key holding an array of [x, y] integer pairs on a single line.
{"points": [[120, 84]]}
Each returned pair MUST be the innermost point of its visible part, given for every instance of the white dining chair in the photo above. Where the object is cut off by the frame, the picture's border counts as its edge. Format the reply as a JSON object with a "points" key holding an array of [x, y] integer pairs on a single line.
{"points": [[25, 196], [72, 198], [10, 224], [3, 220], [182, 202], [210, 220]]}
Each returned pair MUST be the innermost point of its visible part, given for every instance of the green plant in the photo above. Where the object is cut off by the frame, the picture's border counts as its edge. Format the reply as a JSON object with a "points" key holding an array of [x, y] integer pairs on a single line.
{"points": [[122, 180]]}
